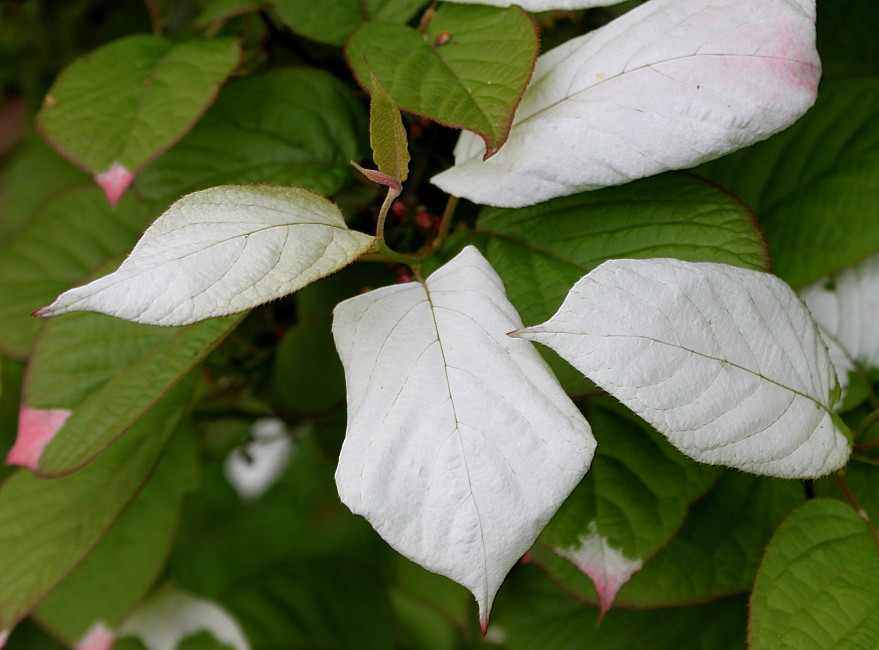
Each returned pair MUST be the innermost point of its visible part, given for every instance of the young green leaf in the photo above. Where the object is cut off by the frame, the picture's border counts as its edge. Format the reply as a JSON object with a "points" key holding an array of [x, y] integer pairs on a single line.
{"points": [[390, 147], [460, 443], [222, 251], [332, 21], [668, 85], [818, 585], [288, 126], [468, 70], [726, 362], [117, 108], [846, 307], [47, 527]]}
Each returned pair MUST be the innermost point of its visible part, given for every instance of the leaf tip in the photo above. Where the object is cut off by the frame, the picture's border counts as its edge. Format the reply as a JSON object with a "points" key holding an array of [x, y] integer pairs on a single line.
{"points": [[4, 634], [36, 429], [44, 312], [114, 182], [483, 620], [98, 637], [381, 178]]}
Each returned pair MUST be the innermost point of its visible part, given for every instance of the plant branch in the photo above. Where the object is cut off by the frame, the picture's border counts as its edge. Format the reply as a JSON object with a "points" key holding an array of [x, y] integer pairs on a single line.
{"points": [[383, 214], [155, 12], [427, 16], [446, 222]]}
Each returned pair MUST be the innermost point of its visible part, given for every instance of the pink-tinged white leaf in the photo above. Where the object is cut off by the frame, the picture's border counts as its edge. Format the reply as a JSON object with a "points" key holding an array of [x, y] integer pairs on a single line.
{"points": [[668, 85], [846, 307], [4, 636], [461, 444], [98, 637], [171, 616], [222, 251], [114, 182], [607, 567], [36, 429], [726, 362]]}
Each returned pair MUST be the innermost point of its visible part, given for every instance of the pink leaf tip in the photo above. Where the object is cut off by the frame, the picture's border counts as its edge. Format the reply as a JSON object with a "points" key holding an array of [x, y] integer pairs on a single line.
{"points": [[3, 636], [114, 182], [99, 637], [36, 428], [381, 178], [44, 312]]}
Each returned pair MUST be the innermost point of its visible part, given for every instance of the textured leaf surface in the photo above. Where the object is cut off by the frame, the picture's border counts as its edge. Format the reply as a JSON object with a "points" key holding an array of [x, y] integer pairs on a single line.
{"points": [[468, 70], [541, 251], [725, 362], [818, 585], [95, 376], [387, 136], [460, 443], [122, 567], [668, 85], [630, 504], [714, 555], [48, 526], [296, 126], [67, 239], [846, 307], [222, 251], [332, 21], [815, 184], [119, 106]]}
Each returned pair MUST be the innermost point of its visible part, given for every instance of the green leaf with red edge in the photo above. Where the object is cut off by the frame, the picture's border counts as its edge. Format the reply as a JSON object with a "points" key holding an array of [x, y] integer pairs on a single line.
{"points": [[630, 504], [468, 69], [714, 555], [818, 584], [120, 570], [69, 236], [47, 527], [115, 109], [332, 21]]}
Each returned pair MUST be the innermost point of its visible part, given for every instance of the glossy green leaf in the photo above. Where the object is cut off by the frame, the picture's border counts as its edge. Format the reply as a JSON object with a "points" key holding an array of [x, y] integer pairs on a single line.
{"points": [[118, 107], [123, 566], [542, 250], [47, 527], [714, 554], [818, 585], [296, 126], [468, 70], [815, 185], [108, 372], [68, 238], [630, 504], [331, 21], [387, 136]]}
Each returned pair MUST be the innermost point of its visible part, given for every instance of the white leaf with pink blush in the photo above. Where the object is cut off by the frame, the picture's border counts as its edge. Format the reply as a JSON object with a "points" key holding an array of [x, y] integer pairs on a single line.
{"points": [[668, 85]]}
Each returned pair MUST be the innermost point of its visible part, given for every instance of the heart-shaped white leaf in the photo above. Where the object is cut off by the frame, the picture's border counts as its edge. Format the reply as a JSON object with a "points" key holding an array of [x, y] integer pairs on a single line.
{"points": [[725, 361], [846, 308], [668, 85], [461, 444], [221, 251]]}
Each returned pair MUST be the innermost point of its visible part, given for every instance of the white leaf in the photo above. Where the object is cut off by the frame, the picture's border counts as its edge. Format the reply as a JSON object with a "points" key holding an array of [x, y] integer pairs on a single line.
{"points": [[171, 616], [846, 308], [461, 444], [542, 5], [726, 362], [668, 85], [222, 251], [254, 468]]}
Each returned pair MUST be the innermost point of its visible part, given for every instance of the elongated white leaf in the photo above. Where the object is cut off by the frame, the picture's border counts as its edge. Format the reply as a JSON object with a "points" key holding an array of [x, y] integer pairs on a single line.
{"points": [[542, 5], [667, 85], [221, 251], [726, 362], [461, 444], [846, 308]]}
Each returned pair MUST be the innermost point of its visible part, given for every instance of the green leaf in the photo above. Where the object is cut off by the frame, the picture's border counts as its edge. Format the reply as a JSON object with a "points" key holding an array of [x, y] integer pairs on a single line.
{"points": [[332, 21], [815, 184], [714, 555], [818, 585], [468, 70], [11, 377], [630, 504], [846, 38], [67, 239], [295, 126], [121, 105], [387, 136], [108, 372], [542, 250], [536, 615], [123, 566], [47, 527]]}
